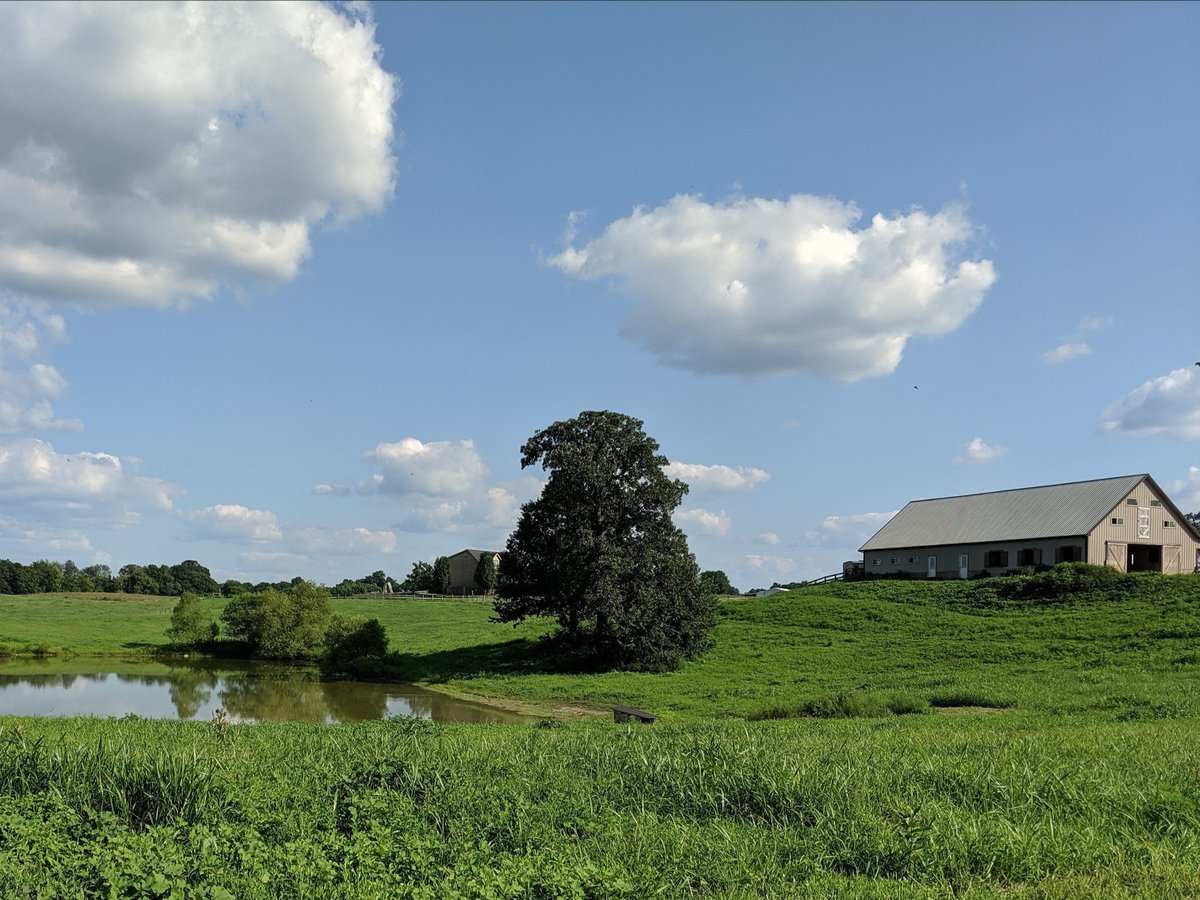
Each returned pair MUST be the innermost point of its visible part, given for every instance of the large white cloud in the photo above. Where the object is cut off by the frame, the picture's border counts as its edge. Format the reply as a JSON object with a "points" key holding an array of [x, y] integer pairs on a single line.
{"points": [[1167, 406], [153, 152], [48, 486], [701, 478], [761, 287]]}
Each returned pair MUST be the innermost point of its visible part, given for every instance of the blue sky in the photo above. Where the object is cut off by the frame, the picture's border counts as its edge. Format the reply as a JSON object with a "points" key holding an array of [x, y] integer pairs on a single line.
{"points": [[283, 289]]}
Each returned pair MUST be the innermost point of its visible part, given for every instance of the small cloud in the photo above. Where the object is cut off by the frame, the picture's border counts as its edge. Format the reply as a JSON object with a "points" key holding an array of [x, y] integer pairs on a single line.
{"points": [[1167, 406], [1065, 352], [434, 469], [703, 479], [775, 565], [1095, 323], [769, 537], [1187, 491], [27, 330], [979, 451], [336, 490], [232, 520], [706, 522], [852, 530], [345, 541]]}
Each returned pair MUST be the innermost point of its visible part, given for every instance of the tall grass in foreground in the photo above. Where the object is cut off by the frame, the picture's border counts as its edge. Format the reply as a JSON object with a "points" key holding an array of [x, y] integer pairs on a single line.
{"points": [[906, 806]]}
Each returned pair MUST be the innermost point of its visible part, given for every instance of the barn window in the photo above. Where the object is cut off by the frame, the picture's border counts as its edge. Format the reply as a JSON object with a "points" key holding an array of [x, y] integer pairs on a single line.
{"points": [[1067, 553], [1117, 520], [995, 559], [1167, 523], [895, 560], [913, 559], [1132, 501], [877, 562], [1029, 556]]}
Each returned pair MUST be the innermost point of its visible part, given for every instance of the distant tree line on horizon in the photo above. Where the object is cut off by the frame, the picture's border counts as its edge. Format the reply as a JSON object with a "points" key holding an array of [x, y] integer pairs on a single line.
{"points": [[48, 576]]}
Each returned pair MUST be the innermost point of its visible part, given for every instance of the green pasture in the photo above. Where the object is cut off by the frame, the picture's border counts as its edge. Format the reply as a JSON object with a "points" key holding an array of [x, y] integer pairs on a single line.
{"points": [[1050, 749], [1138, 654]]}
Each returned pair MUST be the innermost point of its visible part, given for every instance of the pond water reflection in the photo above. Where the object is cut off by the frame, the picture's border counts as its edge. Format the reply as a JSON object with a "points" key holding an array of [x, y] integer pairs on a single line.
{"points": [[195, 689]]}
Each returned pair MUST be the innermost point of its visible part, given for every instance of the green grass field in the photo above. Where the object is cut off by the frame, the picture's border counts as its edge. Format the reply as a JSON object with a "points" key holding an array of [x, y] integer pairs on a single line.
{"points": [[1052, 752]]}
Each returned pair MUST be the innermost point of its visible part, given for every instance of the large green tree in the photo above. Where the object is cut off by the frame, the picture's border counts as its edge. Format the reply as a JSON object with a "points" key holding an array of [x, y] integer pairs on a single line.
{"points": [[598, 550]]}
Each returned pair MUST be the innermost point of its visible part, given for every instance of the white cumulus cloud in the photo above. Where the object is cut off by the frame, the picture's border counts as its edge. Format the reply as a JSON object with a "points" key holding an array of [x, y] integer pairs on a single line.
{"points": [[152, 153], [346, 541], [776, 565], [702, 479], [27, 330], [232, 520], [1167, 406], [1066, 352], [703, 520], [47, 486], [435, 469], [977, 450], [1186, 492], [847, 531], [336, 490], [759, 287], [443, 486]]}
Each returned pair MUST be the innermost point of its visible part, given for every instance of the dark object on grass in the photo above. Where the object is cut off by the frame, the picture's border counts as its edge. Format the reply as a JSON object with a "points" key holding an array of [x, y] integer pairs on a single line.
{"points": [[623, 714]]}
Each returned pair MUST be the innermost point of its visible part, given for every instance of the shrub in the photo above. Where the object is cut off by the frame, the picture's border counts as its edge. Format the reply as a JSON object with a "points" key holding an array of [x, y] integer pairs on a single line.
{"points": [[279, 625], [190, 623], [350, 639]]}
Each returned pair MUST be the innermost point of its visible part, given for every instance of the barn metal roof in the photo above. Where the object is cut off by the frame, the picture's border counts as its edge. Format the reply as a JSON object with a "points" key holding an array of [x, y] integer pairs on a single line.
{"points": [[1054, 510]]}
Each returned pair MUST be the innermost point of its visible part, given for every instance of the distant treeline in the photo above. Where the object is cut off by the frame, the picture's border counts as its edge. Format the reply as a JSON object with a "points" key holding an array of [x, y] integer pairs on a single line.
{"points": [[47, 576]]}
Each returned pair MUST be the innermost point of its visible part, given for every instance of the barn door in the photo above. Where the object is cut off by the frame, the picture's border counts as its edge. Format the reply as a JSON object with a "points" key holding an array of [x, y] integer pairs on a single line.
{"points": [[1170, 559], [1114, 555], [933, 567]]}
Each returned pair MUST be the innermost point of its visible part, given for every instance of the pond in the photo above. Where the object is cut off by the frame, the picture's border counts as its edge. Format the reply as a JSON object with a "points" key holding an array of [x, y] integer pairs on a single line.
{"points": [[195, 689]]}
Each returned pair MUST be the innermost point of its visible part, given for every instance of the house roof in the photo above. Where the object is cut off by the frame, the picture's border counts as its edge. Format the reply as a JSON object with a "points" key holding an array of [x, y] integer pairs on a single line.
{"points": [[477, 554], [1049, 511]]}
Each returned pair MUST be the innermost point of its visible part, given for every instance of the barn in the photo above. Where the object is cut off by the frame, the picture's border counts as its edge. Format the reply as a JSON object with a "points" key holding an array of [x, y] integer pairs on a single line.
{"points": [[1127, 522], [462, 569]]}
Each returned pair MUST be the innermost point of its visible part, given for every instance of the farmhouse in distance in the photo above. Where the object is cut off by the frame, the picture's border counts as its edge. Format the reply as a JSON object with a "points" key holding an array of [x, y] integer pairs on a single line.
{"points": [[462, 569], [1128, 523]]}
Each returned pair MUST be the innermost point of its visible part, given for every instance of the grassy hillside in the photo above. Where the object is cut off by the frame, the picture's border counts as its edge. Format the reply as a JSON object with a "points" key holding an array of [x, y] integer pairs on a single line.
{"points": [[1132, 648]]}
